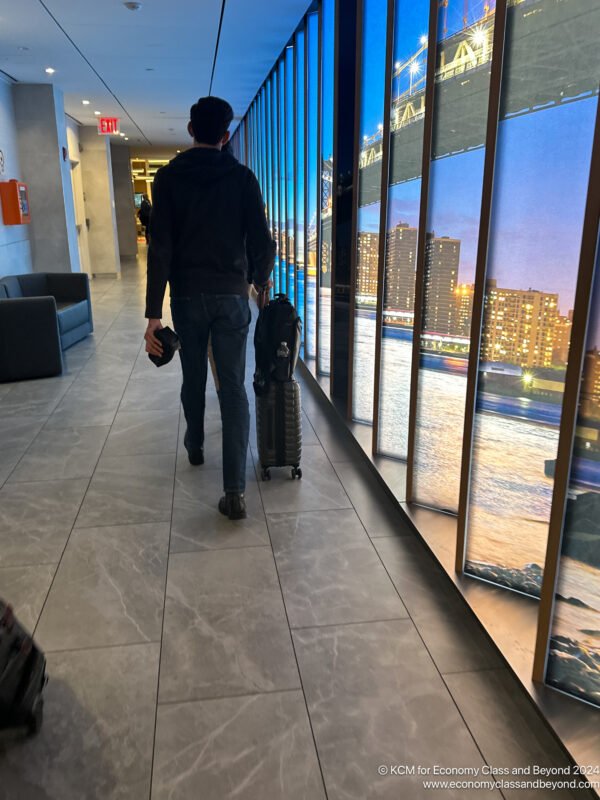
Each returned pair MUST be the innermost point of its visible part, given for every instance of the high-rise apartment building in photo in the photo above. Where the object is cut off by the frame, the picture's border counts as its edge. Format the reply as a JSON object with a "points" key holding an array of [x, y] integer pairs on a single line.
{"points": [[400, 265], [590, 392], [366, 268], [562, 339], [463, 309], [441, 278], [520, 326]]}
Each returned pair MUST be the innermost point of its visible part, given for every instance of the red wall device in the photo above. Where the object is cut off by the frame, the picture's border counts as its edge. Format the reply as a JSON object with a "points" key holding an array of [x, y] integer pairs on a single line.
{"points": [[15, 202]]}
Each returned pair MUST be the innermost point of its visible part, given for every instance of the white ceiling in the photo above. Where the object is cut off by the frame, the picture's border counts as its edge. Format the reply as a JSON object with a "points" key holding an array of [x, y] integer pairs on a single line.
{"points": [[146, 67]]}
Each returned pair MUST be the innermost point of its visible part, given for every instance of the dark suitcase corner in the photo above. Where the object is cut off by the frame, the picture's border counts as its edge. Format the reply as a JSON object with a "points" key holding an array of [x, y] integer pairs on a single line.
{"points": [[22, 676]]}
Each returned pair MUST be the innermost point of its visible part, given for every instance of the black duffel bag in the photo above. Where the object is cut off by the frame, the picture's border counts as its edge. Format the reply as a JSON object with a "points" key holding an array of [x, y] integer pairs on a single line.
{"points": [[277, 340]]}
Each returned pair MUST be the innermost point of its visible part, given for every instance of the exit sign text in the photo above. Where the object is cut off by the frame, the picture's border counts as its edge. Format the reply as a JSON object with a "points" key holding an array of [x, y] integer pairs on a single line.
{"points": [[108, 125]]}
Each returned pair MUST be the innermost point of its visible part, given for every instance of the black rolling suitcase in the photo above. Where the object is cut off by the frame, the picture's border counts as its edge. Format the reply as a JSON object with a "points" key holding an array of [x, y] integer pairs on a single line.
{"points": [[22, 675], [278, 407]]}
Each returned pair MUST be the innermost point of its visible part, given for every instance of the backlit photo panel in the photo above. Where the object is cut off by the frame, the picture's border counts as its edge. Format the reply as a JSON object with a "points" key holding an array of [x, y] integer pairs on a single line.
{"points": [[313, 183], [574, 654], [407, 112], [326, 182], [370, 135], [462, 84], [542, 166]]}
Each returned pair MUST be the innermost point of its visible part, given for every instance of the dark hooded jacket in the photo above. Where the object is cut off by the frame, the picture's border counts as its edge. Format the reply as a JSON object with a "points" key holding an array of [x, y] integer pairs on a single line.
{"points": [[209, 229]]}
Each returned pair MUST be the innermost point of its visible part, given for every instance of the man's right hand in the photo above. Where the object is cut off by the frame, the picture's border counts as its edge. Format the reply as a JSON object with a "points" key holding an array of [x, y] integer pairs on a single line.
{"points": [[262, 297], [153, 345]]}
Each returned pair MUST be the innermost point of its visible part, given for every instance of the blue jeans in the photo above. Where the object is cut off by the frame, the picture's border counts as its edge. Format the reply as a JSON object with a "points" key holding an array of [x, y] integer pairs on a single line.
{"points": [[226, 319]]}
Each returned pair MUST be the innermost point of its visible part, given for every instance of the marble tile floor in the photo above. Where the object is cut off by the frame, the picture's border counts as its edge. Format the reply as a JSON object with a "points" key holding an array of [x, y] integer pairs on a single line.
{"points": [[285, 657]]}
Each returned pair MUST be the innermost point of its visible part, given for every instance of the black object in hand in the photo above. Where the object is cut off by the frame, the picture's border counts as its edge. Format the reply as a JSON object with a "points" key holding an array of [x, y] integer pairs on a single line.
{"points": [[170, 343]]}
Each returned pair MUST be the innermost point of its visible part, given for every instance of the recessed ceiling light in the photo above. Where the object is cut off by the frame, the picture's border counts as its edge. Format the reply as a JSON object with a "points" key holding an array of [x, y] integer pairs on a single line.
{"points": [[85, 102], [50, 70], [97, 113], [127, 138], [121, 134]]}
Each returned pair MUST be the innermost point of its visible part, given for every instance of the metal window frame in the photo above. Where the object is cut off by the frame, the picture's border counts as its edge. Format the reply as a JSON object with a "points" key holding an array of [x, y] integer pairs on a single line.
{"points": [[360, 14], [573, 378], [290, 157], [319, 165], [383, 215], [283, 163], [421, 261], [485, 216], [295, 164], [306, 219]]}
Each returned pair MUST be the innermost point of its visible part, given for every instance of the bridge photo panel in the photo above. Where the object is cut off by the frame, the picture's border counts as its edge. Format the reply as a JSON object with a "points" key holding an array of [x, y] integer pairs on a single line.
{"points": [[473, 136]]}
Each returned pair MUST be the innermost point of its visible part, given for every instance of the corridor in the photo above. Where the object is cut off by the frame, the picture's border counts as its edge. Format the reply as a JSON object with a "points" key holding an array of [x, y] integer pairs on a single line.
{"points": [[299, 654]]}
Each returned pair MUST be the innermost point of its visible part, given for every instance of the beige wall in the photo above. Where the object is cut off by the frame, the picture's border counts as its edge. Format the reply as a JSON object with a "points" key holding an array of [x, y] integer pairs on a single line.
{"points": [[99, 202], [124, 205], [78, 194]]}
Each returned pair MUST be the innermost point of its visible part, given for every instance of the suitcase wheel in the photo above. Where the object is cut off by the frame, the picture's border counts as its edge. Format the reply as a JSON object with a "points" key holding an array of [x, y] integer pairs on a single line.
{"points": [[265, 474], [296, 473], [36, 717]]}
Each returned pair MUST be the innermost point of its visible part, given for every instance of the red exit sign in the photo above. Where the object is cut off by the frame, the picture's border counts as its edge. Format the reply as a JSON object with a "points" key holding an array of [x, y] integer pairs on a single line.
{"points": [[108, 125]]}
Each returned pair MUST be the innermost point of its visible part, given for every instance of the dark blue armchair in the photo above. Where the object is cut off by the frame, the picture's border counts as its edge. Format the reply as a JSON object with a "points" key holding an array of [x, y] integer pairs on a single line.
{"points": [[41, 315]]}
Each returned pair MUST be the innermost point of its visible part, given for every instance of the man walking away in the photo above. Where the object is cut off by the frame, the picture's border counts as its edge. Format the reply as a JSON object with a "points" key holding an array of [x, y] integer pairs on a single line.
{"points": [[208, 225], [144, 215]]}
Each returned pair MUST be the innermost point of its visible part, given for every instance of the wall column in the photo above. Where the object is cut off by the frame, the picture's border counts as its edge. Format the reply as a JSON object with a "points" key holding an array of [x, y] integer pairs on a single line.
{"points": [[99, 202], [124, 205], [45, 166]]}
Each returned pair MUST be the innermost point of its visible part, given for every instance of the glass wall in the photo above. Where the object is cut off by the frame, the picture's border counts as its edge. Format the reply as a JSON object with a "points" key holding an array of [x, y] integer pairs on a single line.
{"points": [[541, 161], [543, 151], [283, 195], [462, 84], [404, 197], [372, 90], [326, 178], [276, 173], [268, 155], [289, 169], [299, 230], [313, 183], [574, 655]]}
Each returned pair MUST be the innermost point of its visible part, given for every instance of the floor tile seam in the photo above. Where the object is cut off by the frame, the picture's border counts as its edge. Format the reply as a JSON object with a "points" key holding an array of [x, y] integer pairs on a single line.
{"points": [[164, 607], [30, 445], [409, 617], [348, 623], [231, 696], [47, 480], [58, 563], [27, 566], [436, 667], [156, 452], [471, 670], [163, 519], [96, 647], [219, 549], [310, 722], [97, 462]]}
